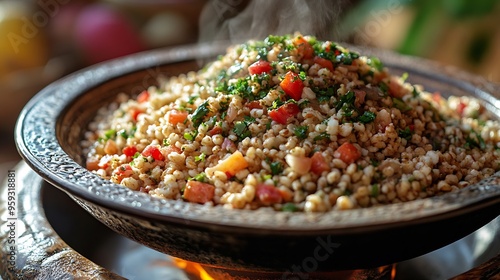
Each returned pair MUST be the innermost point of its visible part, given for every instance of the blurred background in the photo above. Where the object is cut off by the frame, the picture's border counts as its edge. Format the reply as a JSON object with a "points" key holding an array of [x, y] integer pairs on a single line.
{"points": [[44, 40]]}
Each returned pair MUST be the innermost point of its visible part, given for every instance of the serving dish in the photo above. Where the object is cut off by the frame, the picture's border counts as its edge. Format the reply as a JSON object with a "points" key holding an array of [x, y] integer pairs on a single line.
{"points": [[52, 124]]}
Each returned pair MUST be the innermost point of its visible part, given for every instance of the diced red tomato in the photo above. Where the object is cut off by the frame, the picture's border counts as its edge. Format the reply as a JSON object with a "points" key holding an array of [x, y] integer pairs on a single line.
{"points": [[143, 97], [253, 105], [348, 153], [129, 151], [260, 67], [460, 108], [268, 194], [175, 116], [154, 151], [292, 85], [123, 171], [436, 96], [198, 192], [214, 131], [283, 113], [304, 48], [134, 113], [324, 63], [411, 127], [319, 164], [395, 88]]}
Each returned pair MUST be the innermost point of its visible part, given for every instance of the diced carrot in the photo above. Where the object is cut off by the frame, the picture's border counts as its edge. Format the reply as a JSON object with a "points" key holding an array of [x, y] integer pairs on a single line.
{"points": [[348, 153], [231, 165], [305, 49], [319, 164], [268, 194], [198, 192], [175, 116], [143, 97], [292, 85], [92, 163]]}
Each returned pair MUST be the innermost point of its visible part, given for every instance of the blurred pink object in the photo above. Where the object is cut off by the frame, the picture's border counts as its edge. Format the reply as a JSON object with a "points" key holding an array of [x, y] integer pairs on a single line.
{"points": [[103, 33]]}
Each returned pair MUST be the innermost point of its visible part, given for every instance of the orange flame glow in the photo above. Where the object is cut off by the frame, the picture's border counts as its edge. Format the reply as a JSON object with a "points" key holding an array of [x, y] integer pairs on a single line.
{"points": [[192, 268]]}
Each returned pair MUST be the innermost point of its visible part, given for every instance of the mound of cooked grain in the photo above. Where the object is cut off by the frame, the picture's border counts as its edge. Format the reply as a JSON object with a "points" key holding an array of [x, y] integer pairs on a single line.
{"points": [[293, 123]]}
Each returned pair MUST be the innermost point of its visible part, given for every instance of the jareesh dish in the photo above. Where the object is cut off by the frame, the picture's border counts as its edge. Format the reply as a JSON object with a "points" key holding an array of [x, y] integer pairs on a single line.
{"points": [[296, 124]]}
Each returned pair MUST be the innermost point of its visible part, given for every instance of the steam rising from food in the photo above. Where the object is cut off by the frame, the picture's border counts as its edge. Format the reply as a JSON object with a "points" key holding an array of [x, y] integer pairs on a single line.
{"points": [[239, 20]]}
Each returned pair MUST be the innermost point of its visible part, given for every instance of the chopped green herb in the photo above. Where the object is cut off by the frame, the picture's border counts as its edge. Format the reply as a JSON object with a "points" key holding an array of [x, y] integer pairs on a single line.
{"points": [[136, 155], [301, 131], [277, 103], [109, 134], [123, 133], [304, 103], [384, 88], [192, 99], [375, 63], [322, 136], [302, 75], [276, 168], [405, 133], [346, 103], [201, 157], [289, 207], [190, 135], [374, 190], [367, 117], [241, 128], [200, 113], [404, 77], [415, 92], [166, 142], [474, 143], [375, 163], [202, 177], [401, 105]]}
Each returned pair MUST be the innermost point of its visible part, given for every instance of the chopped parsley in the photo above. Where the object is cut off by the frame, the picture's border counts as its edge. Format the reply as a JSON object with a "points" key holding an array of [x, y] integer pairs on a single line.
{"points": [[276, 168], [200, 113], [109, 134], [374, 190], [301, 131], [241, 128], [405, 133], [367, 117], [375, 63], [401, 105], [322, 136], [346, 103], [478, 142], [289, 207], [346, 57]]}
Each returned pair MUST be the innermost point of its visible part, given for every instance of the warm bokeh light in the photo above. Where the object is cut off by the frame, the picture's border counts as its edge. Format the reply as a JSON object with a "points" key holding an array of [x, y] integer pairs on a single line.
{"points": [[192, 269]]}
